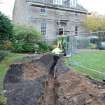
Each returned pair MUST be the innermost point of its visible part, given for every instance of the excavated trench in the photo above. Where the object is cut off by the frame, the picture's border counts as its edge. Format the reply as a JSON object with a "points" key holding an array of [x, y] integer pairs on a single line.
{"points": [[32, 84]]}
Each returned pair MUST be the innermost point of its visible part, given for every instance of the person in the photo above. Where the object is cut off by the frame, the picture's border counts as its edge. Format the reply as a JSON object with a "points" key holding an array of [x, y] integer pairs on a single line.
{"points": [[56, 55]]}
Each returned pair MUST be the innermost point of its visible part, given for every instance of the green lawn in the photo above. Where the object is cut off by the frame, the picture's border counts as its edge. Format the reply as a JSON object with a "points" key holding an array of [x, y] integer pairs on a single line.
{"points": [[4, 65], [11, 58], [89, 62]]}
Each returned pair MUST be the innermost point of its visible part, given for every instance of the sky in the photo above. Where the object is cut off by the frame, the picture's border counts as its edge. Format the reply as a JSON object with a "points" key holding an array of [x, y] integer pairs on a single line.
{"points": [[6, 6], [94, 5]]}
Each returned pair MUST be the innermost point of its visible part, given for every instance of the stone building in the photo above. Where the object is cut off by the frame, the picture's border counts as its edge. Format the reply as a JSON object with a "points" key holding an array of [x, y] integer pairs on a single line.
{"points": [[51, 17]]}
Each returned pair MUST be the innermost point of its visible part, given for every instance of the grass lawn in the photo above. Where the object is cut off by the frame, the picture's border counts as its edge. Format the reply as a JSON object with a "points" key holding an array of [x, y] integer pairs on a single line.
{"points": [[91, 63], [11, 58]]}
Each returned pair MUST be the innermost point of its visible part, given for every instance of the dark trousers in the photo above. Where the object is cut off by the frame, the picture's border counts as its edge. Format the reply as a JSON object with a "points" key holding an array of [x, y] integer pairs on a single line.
{"points": [[52, 68]]}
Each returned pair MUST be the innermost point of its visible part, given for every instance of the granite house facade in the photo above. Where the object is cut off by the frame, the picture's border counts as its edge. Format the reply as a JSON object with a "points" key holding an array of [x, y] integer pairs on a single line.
{"points": [[51, 17]]}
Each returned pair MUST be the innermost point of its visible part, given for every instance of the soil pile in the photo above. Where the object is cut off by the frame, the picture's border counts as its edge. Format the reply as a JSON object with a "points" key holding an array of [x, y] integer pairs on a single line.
{"points": [[76, 89], [24, 83], [30, 84]]}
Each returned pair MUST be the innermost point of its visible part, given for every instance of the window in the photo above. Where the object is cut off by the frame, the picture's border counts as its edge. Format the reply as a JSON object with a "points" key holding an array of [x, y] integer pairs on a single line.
{"points": [[73, 3], [43, 10], [76, 30], [66, 3], [57, 2], [43, 28], [63, 22], [76, 14]]}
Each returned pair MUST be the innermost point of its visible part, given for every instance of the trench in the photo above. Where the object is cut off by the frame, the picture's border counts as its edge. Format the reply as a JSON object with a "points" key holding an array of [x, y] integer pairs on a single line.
{"points": [[33, 82], [50, 95], [51, 86]]}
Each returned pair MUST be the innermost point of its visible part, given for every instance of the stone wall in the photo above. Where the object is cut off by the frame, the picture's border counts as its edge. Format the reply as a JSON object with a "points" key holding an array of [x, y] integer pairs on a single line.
{"points": [[24, 13]]}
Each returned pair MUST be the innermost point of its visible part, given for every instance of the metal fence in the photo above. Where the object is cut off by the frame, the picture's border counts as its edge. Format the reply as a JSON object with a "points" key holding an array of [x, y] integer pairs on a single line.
{"points": [[74, 43], [89, 44]]}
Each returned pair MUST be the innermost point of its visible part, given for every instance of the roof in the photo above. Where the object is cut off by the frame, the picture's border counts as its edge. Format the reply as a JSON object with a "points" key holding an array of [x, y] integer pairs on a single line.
{"points": [[41, 3], [81, 8]]}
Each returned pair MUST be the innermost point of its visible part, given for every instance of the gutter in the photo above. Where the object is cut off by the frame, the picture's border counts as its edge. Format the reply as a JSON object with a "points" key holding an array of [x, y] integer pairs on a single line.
{"points": [[56, 7]]}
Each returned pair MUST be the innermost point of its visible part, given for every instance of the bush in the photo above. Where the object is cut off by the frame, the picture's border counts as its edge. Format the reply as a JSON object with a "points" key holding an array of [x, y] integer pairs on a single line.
{"points": [[25, 33], [6, 28], [3, 54], [30, 47], [17, 47], [7, 45], [44, 47], [28, 40], [25, 39], [3, 100]]}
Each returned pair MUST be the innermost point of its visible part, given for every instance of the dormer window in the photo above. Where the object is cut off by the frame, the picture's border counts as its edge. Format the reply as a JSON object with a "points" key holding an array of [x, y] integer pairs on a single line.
{"points": [[73, 3]]}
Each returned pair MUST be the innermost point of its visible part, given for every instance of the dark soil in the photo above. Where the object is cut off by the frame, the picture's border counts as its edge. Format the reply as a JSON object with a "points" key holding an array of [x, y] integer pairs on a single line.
{"points": [[30, 84]]}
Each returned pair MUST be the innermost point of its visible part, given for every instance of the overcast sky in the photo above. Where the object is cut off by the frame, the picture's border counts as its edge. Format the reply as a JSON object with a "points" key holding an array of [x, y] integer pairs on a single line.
{"points": [[6, 6], [94, 5]]}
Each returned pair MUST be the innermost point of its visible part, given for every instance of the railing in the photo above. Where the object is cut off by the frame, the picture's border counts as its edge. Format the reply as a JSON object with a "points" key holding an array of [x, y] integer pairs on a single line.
{"points": [[50, 4], [36, 1], [47, 2]]}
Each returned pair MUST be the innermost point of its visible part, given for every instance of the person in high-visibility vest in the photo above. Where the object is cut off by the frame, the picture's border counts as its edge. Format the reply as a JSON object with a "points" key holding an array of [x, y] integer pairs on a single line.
{"points": [[56, 55]]}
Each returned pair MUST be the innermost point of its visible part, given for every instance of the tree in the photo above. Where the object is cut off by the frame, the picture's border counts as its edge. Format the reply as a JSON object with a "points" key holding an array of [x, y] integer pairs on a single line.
{"points": [[95, 23], [6, 28]]}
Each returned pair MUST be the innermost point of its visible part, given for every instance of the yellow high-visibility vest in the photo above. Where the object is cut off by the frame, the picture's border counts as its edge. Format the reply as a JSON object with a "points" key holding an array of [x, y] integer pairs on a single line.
{"points": [[57, 51]]}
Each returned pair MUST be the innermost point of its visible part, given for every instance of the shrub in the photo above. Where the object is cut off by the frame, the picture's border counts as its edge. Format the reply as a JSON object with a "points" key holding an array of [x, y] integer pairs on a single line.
{"points": [[17, 47], [44, 47], [25, 33], [3, 100], [6, 28], [25, 39], [30, 47], [3, 54], [7, 45], [28, 40]]}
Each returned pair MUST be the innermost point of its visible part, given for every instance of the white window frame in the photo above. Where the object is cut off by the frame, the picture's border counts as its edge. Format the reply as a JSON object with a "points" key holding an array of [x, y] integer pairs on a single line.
{"points": [[43, 28]]}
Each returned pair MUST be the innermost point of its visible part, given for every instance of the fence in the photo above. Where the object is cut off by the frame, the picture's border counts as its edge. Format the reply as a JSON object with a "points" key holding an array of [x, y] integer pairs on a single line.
{"points": [[83, 42], [86, 56], [72, 43]]}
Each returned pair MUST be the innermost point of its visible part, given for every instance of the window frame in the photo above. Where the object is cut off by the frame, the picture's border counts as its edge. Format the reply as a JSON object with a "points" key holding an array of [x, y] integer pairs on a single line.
{"points": [[76, 30], [42, 10], [43, 28]]}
